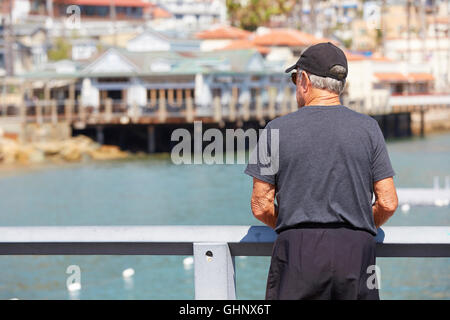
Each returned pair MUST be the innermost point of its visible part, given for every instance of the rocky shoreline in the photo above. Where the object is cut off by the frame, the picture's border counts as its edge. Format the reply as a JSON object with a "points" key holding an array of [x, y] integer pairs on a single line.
{"points": [[75, 149]]}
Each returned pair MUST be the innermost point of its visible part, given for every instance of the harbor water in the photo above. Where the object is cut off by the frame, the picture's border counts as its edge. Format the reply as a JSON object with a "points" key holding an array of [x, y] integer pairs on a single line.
{"points": [[152, 191]]}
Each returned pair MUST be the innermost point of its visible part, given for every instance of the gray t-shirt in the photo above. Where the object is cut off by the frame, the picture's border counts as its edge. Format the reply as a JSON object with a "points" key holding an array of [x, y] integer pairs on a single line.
{"points": [[328, 159]]}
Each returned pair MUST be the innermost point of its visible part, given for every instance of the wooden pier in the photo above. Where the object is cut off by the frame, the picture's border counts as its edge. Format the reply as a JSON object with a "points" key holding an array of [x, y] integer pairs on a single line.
{"points": [[177, 107]]}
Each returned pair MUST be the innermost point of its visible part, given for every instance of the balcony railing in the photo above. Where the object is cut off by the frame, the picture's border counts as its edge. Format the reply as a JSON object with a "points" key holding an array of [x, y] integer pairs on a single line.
{"points": [[213, 247]]}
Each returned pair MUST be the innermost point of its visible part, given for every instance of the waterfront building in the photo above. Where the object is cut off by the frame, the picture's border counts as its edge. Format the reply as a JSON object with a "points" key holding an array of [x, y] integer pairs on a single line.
{"points": [[195, 14], [379, 82], [103, 9], [117, 72], [431, 51], [29, 47], [150, 40]]}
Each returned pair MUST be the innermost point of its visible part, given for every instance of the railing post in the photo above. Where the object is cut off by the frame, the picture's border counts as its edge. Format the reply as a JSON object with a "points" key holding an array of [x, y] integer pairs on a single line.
{"points": [[162, 113], [259, 106], [233, 101], [189, 107], [81, 111], [179, 97], [272, 97], [294, 105], [217, 109], [39, 104], [134, 112], [68, 110], [246, 110], [54, 111], [214, 275], [284, 101], [108, 109], [170, 97]]}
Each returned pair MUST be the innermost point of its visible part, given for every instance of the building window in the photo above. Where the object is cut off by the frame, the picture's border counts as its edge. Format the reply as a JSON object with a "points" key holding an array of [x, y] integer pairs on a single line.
{"points": [[397, 88]]}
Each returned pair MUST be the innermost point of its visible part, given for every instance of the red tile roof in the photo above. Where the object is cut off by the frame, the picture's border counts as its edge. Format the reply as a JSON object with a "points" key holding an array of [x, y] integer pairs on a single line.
{"points": [[245, 44], [118, 3], [379, 58], [160, 13], [223, 32], [354, 56], [287, 37]]}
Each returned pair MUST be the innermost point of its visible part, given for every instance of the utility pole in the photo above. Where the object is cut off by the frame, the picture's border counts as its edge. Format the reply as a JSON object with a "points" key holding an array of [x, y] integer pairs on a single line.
{"points": [[9, 39], [408, 29], [49, 5], [300, 14], [112, 15], [447, 80], [312, 16], [420, 12], [383, 30]]}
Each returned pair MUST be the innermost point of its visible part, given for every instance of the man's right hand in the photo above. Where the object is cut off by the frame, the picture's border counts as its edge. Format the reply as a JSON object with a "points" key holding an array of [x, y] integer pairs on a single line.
{"points": [[386, 200]]}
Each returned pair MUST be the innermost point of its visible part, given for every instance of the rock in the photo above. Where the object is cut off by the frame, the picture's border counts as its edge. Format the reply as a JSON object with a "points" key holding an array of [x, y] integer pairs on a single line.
{"points": [[36, 156], [29, 154], [71, 153], [106, 152], [23, 154], [74, 149], [49, 148], [9, 149]]}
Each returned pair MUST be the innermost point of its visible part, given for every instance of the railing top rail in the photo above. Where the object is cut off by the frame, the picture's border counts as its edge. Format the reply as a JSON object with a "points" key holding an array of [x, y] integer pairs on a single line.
{"points": [[192, 234], [179, 240]]}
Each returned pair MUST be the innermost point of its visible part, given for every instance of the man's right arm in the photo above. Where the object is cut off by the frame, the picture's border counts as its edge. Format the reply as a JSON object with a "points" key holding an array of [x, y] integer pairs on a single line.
{"points": [[386, 201]]}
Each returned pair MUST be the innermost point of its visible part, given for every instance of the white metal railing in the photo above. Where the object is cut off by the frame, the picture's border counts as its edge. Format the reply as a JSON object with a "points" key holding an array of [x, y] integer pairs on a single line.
{"points": [[426, 196], [213, 247], [426, 99]]}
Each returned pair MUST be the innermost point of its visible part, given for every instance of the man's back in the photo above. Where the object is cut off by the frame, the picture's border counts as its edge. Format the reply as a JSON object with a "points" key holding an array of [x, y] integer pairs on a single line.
{"points": [[323, 165], [329, 157]]}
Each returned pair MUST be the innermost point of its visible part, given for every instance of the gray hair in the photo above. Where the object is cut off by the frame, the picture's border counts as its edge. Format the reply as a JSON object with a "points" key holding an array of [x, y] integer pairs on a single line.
{"points": [[330, 84]]}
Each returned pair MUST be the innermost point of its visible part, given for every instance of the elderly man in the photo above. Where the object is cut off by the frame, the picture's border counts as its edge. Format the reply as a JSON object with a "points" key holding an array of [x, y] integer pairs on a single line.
{"points": [[331, 161]]}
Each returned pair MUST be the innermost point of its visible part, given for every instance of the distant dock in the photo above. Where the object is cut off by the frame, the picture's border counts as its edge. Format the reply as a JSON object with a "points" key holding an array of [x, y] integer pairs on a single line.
{"points": [[139, 116]]}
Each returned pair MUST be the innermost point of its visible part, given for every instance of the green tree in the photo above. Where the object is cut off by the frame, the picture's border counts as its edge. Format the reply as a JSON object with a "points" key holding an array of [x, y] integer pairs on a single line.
{"points": [[60, 51], [255, 13]]}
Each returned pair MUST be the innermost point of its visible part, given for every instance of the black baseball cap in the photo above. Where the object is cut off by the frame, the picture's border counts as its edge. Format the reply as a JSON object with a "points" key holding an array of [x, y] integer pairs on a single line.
{"points": [[320, 58]]}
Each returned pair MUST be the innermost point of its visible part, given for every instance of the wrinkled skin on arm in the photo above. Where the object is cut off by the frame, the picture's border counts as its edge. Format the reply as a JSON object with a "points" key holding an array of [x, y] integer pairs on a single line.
{"points": [[386, 201], [265, 210], [263, 202]]}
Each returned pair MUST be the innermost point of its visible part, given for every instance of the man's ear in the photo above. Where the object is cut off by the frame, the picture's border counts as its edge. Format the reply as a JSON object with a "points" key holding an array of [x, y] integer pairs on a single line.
{"points": [[304, 81]]}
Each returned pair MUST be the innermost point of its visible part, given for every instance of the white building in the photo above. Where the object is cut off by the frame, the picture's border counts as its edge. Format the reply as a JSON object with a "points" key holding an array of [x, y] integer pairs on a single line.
{"points": [[195, 14], [150, 40], [83, 49], [432, 51], [377, 84]]}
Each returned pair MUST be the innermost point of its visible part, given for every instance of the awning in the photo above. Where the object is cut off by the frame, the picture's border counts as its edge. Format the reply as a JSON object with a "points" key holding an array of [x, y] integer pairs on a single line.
{"points": [[420, 77], [391, 77], [400, 77]]}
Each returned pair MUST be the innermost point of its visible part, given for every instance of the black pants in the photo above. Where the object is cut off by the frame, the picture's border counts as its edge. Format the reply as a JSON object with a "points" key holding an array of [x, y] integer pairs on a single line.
{"points": [[322, 263]]}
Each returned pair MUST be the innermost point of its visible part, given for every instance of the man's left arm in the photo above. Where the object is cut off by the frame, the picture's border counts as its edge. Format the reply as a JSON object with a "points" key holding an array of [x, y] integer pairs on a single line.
{"points": [[263, 202]]}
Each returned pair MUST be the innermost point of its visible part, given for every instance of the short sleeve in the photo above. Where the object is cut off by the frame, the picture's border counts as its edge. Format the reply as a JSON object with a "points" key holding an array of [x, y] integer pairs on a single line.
{"points": [[381, 163], [263, 163]]}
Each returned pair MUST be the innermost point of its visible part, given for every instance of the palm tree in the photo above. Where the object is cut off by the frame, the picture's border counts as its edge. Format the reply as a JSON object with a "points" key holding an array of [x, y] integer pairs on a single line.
{"points": [[408, 29]]}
